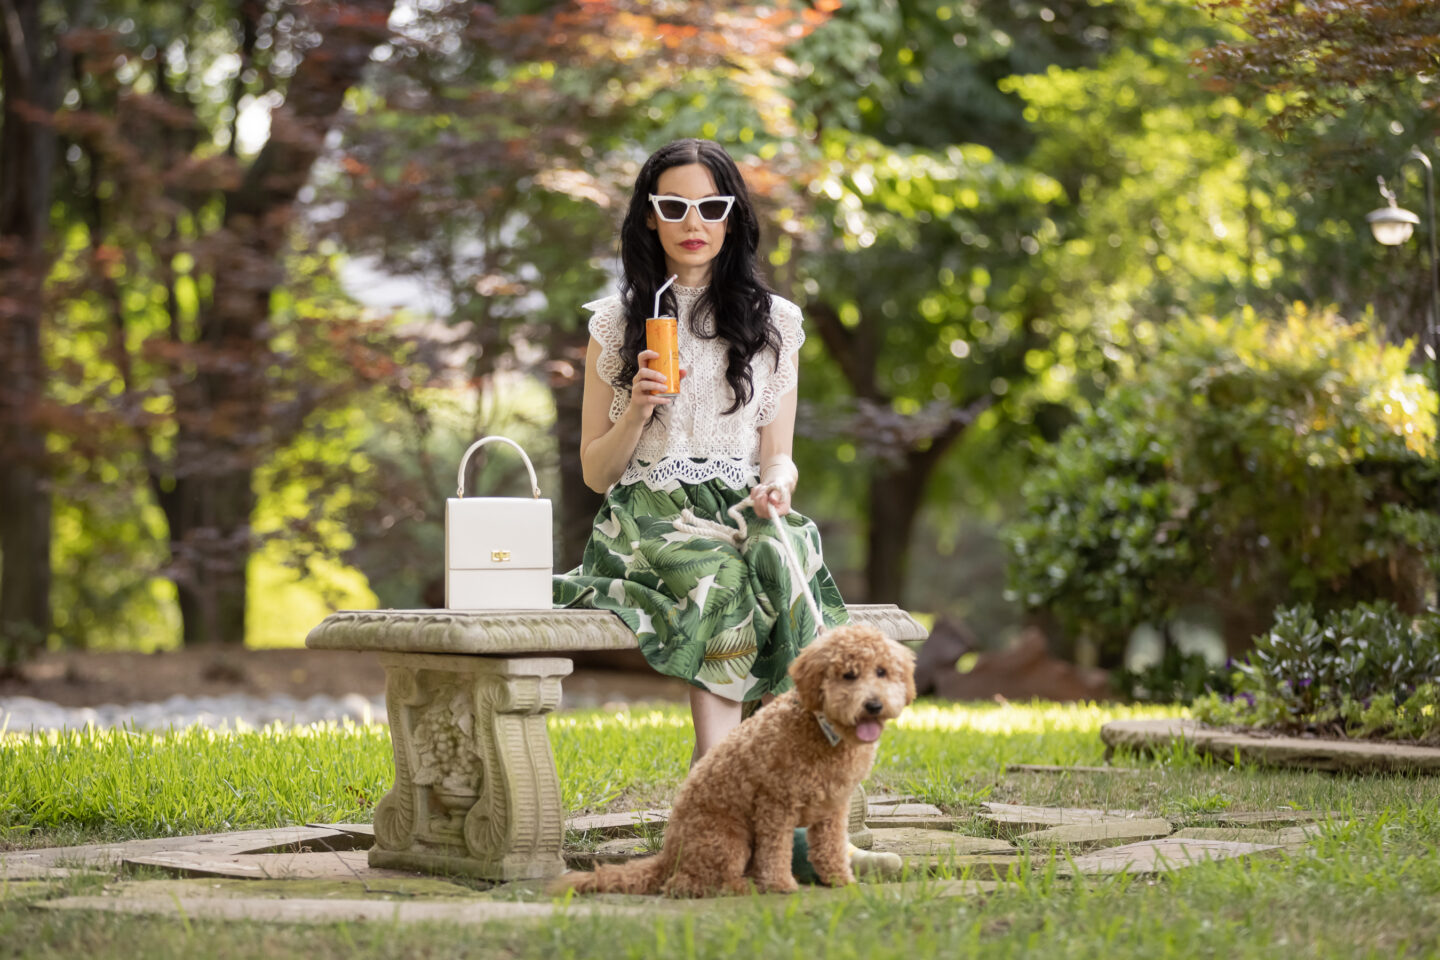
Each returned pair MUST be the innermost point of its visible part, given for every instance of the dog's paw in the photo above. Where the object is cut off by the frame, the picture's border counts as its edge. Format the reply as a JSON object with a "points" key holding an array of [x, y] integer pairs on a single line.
{"points": [[840, 878], [777, 884]]}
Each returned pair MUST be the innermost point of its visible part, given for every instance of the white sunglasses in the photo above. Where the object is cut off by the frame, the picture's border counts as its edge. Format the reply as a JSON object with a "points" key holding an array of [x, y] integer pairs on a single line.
{"points": [[674, 209]]}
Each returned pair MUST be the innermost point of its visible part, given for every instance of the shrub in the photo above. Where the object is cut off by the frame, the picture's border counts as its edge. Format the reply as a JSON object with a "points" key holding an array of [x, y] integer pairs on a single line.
{"points": [[1369, 670], [1244, 466]]}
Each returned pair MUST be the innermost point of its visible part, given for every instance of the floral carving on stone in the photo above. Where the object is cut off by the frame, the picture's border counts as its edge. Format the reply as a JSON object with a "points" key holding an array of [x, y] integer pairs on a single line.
{"points": [[443, 737]]}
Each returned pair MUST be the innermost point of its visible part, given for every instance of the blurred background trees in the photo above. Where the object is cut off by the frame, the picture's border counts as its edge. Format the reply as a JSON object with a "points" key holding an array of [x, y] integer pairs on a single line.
{"points": [[267, 266]]}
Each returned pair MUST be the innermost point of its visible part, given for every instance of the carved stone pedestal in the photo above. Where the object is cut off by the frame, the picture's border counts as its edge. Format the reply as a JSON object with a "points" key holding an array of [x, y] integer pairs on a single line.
{"points": [[475, 791]]}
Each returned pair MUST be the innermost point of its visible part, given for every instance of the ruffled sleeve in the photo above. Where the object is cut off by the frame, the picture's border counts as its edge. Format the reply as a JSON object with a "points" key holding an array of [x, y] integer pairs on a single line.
{"points": [[607, 326], [790, 324]]}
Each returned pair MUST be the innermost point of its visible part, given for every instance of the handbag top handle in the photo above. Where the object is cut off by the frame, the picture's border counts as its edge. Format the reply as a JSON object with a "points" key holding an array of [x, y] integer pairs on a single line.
{"points": [[460, 485]]}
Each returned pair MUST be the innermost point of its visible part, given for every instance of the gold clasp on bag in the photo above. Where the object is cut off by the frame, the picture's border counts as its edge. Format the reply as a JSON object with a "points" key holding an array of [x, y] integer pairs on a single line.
{"points": [[499, 556]]}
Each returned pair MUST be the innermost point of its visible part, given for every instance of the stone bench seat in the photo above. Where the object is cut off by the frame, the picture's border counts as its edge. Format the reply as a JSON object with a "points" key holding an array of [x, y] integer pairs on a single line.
{"points": [[476, 791]]}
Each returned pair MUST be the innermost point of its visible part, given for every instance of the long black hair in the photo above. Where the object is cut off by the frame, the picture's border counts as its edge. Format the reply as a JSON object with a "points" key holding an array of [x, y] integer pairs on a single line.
{"points": [[737, 297]]}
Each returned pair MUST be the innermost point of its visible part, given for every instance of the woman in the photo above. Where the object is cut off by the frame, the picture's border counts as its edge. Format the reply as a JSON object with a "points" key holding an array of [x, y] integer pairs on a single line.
{"points": [[727, 620]]}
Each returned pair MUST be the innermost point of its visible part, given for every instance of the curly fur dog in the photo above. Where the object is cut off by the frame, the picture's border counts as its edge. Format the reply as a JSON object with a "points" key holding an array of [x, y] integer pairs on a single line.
{"points": [[735, 815]]}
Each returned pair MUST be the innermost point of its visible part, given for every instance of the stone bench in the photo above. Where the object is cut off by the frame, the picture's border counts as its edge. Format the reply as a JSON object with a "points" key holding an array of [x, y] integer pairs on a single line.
{"points": [[476, 792]]}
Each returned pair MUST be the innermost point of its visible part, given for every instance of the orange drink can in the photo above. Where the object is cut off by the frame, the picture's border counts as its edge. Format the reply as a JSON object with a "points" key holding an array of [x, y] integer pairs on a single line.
{"points": [[662, 336]]}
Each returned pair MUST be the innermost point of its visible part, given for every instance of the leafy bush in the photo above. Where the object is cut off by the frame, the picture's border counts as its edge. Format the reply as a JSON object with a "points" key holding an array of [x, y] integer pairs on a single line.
{"points": [[1369, 670], [1246, 465]]}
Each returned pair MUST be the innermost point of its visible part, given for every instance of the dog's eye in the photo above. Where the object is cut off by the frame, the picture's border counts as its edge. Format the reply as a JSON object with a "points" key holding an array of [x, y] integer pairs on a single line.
{"points": [[879, 671], [851, 675]]}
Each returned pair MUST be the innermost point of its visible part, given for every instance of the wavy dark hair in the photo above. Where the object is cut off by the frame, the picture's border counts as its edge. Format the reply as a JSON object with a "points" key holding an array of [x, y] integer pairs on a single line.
{"points": [[737, 297]]}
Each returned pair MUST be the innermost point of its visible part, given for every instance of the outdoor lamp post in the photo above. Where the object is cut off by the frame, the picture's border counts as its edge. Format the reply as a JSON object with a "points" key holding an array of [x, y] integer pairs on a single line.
{"points": [[1392, 226]]}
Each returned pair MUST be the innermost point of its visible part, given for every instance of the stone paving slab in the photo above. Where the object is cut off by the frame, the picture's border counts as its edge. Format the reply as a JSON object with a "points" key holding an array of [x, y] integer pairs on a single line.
{"points": [[874, 811], [913, 841], [1349, 756], [618, 824], [941, 822], [1283, 837], [1263, 818], [270, 866], [409, 886], [1010, 819], [107, 855], [1104, 834], [1161, 856], [10, 872], [362, 832], [299, 911]]}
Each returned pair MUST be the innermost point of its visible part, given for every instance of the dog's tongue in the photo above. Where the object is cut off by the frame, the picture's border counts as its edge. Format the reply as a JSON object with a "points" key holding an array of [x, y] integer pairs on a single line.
{"points": [[867, 731]]}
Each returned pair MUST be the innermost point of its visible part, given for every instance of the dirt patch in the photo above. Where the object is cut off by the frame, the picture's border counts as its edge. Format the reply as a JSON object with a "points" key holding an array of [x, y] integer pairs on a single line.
{"points": [[81, 679]]}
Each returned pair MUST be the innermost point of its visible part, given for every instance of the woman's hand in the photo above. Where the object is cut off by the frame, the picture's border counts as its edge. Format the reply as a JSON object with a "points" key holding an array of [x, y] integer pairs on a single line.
{"points": [[771, 499], [646, 384], [772, 494]]}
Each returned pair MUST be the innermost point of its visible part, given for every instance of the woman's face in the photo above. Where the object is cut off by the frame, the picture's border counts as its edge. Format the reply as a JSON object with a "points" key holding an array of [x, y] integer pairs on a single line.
{"points": [[691, 244]]}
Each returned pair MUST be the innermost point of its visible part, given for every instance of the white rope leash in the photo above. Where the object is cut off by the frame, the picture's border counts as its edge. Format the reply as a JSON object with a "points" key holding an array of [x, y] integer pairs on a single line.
{"points": [[689, 523]]}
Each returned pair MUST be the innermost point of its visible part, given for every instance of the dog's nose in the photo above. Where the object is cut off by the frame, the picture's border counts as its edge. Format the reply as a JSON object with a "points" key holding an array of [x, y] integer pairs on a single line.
{"points": [[873, 706]]}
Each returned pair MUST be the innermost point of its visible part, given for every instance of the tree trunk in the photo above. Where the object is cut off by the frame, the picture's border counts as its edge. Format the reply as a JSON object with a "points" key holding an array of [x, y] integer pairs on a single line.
{"points": [[216, 455], [895, 495], [27, 151], [212, 554], [578, 503]]}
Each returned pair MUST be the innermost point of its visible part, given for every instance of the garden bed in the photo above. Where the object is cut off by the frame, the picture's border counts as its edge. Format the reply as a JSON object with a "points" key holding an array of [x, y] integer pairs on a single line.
{"points": [[1270, 749]]}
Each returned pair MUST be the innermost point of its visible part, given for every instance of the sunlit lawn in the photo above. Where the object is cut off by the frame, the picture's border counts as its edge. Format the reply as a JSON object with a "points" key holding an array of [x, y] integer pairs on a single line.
{"points": [[1369, 886]]}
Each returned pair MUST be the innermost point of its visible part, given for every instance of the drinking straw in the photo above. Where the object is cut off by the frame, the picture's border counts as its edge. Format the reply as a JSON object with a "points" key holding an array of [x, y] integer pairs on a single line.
{"points": [[663, 287]]}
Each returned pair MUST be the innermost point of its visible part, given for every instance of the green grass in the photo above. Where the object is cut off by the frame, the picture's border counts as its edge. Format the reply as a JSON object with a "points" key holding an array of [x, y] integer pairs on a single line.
{"points": [[1369, 887], [101, 785]]}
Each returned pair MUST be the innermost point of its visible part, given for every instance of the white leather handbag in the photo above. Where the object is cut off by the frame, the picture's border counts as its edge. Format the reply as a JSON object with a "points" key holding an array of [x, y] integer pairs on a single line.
{"points": [[498, 551]]}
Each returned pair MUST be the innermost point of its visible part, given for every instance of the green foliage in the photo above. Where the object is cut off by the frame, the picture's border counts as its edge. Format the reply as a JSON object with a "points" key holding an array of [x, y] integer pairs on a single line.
{"points": [[1368, 670], [996, 201], [1244, 465]]}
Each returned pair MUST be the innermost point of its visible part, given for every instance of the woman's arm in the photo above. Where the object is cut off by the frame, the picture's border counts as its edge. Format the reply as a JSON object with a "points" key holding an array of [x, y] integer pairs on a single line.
{"points": [[778, 475], [606, 447]]}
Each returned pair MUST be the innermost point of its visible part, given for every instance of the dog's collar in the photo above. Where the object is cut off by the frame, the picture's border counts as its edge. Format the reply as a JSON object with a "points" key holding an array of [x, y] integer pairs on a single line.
{"points": [[827, 729]]}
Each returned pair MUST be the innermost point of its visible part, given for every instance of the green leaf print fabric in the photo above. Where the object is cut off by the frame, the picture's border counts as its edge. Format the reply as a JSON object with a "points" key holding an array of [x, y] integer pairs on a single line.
{"points": [[727, 619]]}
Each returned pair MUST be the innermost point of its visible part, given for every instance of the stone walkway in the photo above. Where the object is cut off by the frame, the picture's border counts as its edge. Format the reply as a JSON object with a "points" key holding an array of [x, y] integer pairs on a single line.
{"points": [[319, 873]]}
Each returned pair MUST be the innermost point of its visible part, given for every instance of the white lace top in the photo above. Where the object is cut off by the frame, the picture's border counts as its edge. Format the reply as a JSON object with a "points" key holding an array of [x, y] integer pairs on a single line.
{"points": [[692, 439]]}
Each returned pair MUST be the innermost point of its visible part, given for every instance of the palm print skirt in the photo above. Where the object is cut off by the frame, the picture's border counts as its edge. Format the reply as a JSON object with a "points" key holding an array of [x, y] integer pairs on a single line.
{"points": [[726, 618]]}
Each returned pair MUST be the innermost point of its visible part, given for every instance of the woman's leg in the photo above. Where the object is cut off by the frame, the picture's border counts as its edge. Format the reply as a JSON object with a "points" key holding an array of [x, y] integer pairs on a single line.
{"points": [[714, 717]]}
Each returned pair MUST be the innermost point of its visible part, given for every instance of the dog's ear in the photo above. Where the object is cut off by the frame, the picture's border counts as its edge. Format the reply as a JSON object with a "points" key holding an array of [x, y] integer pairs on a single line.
{"points": [[808, 672], [905, 660]]}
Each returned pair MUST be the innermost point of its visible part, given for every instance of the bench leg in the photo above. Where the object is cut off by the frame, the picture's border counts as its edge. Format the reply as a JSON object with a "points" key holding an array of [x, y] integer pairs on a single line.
{"points": [[476, 792]]}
